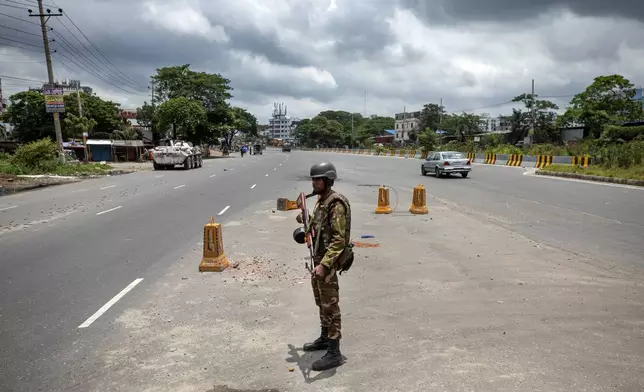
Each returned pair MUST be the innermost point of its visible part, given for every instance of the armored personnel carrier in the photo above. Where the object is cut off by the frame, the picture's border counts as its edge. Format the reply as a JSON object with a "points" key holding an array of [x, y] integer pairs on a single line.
{"points": [[177, 152]]}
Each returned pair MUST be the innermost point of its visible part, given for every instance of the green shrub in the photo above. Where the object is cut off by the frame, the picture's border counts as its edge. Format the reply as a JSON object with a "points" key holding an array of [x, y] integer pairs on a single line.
{"points": [[547, 149], [504, 149], [32, 155], [380, 150], [613, 132], [456, 145]]}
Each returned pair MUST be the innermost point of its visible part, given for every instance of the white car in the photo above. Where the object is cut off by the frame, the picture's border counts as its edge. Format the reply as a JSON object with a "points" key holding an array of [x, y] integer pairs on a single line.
{"points": [[444, 163]]}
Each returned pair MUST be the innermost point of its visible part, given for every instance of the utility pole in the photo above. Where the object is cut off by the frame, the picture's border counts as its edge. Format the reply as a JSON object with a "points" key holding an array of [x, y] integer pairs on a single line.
{"points": [[152, 104], [440, 113], [2, 109], [152, 94], [50, 71], [80, 105], [532, 114], [365, 103]]}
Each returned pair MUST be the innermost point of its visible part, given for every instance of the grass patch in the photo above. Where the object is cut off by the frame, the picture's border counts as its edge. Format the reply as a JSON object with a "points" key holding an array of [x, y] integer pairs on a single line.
{"points": [[632, 173], [54, 168]]}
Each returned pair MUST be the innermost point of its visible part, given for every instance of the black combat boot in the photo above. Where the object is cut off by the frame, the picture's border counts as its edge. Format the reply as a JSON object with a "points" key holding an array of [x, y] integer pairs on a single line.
{"points": [[321, 343], [332, 358]]}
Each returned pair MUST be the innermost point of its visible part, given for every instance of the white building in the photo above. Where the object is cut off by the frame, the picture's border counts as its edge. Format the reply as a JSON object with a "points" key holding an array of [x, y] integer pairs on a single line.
{"points": [[498, 124], [280, 125], [404, 123], [487, 123]]}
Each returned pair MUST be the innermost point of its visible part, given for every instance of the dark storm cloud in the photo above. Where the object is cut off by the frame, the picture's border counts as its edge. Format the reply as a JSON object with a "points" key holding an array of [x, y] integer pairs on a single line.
{"points": [[437, 11], [264, 44], [363, 32], [351, 43]]}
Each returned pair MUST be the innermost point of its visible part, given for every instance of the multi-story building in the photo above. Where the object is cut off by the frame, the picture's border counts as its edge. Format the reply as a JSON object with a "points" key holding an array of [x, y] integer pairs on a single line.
{"points": [[69, 87], [263, 130], [487, 123], [280, 125], [404, 123]]}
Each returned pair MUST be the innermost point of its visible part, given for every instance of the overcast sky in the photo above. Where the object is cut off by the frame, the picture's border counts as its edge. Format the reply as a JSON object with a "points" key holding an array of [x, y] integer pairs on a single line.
{"points": [[316, 55]]}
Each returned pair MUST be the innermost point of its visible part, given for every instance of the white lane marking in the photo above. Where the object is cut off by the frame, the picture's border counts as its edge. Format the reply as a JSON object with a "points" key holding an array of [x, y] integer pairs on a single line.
{"points": [[232, 168], [266, 174], [110, 210], [244, 165], [280, 164], [109, 304], [159, 176], [254, 185], [274, 169], [179, 186], [224, 210], [107, 187], [8, 208], [212, 175]]}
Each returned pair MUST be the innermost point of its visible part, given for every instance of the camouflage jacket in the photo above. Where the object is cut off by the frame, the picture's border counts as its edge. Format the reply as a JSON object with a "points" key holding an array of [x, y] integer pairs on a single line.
{"points": [[331, 222]]}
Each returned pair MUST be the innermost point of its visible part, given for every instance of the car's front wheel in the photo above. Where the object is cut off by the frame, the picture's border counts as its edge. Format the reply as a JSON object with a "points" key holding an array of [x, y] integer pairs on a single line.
{"points": [[464, 174], [422, 170]]}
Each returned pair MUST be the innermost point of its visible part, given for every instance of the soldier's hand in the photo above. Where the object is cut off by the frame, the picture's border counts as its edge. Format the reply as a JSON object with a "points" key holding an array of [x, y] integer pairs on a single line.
{"points": [[299, 218], [319, 271]]}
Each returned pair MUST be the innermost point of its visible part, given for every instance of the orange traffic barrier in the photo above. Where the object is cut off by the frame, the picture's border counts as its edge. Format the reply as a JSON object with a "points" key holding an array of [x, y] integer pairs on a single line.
{"points": [[419, 201], [383, 201], [214, 259]]}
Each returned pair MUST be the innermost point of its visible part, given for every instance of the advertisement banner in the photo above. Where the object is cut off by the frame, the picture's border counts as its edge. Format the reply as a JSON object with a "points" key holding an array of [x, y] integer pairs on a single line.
{"points": [[54, 101]]}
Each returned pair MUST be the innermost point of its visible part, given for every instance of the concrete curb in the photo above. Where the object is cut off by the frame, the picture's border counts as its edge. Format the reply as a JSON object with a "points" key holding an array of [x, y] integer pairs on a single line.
{"points": [[115, 172], [587, 177], [5, 191], [61, 180]]}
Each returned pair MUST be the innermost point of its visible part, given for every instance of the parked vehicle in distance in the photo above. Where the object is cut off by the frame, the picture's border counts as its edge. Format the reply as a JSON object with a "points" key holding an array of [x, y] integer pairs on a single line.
{"points": [[257, 149], [444, 163], [286, 147]]}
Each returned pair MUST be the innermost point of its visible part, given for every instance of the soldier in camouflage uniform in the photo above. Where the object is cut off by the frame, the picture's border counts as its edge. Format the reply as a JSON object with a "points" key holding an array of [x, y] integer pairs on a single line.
{"points": [[331, 223]]}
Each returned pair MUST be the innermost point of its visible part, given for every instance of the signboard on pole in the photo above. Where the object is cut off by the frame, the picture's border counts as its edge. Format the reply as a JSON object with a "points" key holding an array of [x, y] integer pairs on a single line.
{"points": [[54, 102]]}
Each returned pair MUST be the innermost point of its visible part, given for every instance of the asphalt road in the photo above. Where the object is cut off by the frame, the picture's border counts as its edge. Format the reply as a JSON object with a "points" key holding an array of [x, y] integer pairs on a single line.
{"points": [[67, 250], [599, 221]]}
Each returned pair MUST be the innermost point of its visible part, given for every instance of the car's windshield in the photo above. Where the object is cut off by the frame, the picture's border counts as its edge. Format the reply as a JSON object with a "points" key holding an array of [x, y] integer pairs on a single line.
{"points": [[453, 155]]}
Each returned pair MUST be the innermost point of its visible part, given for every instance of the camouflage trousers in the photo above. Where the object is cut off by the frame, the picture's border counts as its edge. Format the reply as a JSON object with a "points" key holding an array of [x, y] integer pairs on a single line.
{"points": [[327, 298]]}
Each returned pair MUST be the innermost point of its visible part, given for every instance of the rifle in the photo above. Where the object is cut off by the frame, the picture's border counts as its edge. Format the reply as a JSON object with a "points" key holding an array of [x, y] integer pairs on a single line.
{"points": [[301, 234]]}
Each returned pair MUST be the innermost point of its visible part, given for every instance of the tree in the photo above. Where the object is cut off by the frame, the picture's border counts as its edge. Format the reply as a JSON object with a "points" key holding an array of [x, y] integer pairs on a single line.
{"points": [[428, 139], [519, 125], [182, 116], [431, 116], [607, 101], [104, 113], [350, 123], [374, 126], [463, 125], [211, 90], [77, 125], [545, 126], [320, 131], [26, 112], [238, 120], [127, 133], [145, 115]]}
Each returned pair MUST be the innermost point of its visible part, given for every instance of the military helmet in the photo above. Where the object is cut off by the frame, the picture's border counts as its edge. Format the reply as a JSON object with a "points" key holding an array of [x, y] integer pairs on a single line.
{"points": [[324, 170]]}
